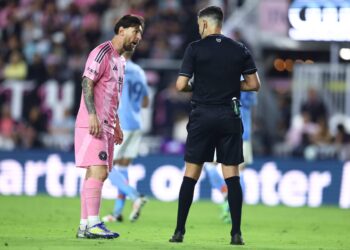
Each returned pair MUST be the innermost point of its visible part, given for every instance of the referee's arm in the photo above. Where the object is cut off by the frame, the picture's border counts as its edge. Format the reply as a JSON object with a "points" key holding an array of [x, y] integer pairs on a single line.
{"points": [[251, 82], [183, 84]]}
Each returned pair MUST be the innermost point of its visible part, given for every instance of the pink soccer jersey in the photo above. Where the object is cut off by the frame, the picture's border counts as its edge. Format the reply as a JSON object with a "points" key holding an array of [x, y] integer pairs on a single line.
{"points": [[106, 68]]}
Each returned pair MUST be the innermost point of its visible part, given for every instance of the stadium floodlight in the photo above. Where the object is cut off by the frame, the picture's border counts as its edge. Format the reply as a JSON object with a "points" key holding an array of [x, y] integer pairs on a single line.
{"points": [[344, 54]]}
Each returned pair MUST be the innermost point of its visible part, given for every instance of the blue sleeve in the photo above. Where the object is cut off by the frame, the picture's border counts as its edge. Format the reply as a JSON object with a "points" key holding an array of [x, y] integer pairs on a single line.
{"points": [[187, 66], [143, 80], [248, 99]]}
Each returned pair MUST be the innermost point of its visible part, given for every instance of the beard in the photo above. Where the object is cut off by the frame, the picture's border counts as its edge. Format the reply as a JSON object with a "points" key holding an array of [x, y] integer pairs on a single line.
{"points": [[129, 47]]}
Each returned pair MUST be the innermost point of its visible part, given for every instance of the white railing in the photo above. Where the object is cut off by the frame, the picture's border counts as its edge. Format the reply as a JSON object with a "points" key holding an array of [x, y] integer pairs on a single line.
{"points": [[331, 81]]}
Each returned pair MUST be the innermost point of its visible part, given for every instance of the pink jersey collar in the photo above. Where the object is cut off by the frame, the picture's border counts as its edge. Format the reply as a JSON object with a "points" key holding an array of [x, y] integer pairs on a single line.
{"points": [[113, 49]]}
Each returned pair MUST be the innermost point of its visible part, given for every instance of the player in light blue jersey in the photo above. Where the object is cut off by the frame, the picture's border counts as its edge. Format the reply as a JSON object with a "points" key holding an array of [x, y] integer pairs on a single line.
{"points": [[248, 100], [134, 98]]}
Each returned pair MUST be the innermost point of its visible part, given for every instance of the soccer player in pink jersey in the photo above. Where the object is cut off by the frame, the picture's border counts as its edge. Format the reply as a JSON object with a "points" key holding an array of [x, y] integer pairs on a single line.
{"points": [[97, 125]]}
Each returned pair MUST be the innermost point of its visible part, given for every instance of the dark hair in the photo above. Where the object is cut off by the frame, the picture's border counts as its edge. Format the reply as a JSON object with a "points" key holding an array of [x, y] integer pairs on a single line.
{"points": [[341, 127], [212, 11], [129, 21]]}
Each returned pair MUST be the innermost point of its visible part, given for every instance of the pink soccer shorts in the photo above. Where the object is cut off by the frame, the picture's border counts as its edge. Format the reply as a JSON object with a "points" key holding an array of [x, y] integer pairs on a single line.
{"points": [[93, 151]]}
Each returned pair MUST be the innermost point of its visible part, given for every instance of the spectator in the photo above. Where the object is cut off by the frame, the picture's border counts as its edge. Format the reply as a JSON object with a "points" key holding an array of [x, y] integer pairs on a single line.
{"points": [[298, 136], [342, 136], [37, 70], [7, 129], [16, 69], [314, 106], [322, 135], [61, 132], [31, 129]]}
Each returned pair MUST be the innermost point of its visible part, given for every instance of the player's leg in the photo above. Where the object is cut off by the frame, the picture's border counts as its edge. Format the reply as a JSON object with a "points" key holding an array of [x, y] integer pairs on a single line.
{"points": [[81, 138], [131, 152], [121, 167], [95, 176], [83, 214], [192, 174], [95, 154], [216, 181], [248, 160], [119, 180], [117, 214], [119, 175]]}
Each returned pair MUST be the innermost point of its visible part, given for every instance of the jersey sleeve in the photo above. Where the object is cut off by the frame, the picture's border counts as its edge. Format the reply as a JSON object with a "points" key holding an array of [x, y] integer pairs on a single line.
{"points": [[248, 99], [95, 65], [187, 62], [248, 63], [143, 79]]}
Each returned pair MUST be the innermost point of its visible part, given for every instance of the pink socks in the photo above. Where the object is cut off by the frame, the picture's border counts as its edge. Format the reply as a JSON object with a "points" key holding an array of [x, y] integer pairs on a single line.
{"points": [[83, 210], [91, 198]]}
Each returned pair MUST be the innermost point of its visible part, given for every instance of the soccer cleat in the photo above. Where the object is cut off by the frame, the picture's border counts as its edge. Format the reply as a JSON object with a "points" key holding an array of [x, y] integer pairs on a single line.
{"points": [[109, 218], [178, 237], [120, 218], [237, 240], [80, 233], [112, 218], [99, 231], [225, 213], [136, 208]]}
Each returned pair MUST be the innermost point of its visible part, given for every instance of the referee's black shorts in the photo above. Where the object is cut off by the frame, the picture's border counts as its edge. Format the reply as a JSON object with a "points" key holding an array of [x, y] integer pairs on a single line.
{"points": [[213, 127]]}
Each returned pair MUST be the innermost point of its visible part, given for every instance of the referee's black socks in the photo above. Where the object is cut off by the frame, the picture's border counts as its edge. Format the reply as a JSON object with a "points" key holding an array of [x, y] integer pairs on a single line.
{"points": [[235, 199], [185, 201]]}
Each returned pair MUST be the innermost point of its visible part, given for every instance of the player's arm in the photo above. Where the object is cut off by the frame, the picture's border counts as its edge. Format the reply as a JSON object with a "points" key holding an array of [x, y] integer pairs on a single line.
{"points": [[145, 101], [88, 93], [251, 82], [183, 84]]}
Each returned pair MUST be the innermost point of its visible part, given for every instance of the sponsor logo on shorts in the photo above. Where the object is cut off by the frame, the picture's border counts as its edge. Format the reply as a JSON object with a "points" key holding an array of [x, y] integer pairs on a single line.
{"points": [[102, 155]]}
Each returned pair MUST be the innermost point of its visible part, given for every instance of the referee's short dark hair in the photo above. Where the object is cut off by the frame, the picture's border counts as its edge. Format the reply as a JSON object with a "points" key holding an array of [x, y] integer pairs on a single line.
{"points": [[129, 21], [213, 12]]}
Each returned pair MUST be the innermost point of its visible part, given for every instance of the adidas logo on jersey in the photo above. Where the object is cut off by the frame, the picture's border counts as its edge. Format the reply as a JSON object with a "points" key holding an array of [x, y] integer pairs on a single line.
{"points": [[115, 68]]}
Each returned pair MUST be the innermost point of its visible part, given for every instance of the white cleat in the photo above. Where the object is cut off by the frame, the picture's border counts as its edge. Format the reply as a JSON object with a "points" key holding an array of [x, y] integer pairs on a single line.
{"points": [[109, 218], [136, 208]]}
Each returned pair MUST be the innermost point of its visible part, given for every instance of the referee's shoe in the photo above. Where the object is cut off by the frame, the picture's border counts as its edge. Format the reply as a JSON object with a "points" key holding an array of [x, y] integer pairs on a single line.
{"points": [[178, 237], [237, 240]]}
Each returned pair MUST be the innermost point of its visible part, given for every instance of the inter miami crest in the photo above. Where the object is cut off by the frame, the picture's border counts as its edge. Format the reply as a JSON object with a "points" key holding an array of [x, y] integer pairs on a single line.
{"points": [[102, 155]]}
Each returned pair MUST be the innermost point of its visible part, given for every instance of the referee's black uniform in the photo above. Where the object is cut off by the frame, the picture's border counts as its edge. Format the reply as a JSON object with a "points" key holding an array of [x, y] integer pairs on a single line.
{"points": [[217, 63]]}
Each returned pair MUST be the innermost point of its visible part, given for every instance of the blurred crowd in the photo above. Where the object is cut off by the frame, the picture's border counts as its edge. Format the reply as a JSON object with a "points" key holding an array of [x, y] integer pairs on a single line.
{"points": [[44, 40], [315, 133]]}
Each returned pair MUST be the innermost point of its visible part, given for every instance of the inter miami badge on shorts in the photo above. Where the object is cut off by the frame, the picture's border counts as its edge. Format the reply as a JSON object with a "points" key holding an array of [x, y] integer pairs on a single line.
{"points": [[102, 155]]}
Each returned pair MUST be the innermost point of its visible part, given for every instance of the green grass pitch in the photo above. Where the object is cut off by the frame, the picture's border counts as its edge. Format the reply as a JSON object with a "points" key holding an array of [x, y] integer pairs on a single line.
{"points": [[45, 223]]}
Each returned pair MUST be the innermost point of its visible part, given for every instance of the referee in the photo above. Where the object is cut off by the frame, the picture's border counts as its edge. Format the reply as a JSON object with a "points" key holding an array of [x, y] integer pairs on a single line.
{"points": [[216, 62]]}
